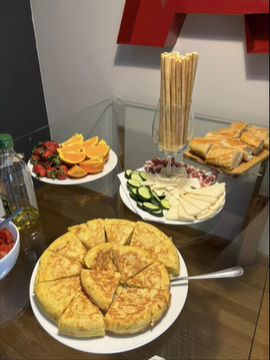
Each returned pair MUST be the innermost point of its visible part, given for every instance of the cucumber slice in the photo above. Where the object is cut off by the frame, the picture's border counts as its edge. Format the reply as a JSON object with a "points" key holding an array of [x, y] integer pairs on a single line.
{"points": [[135, 176], [162, 196], [156, 202], [133, 183], [148, 206], [158, 213], [155, 196], [140, 205], [133, 196], [165, 204], [134, 190], [144, 193], [127, 173], [144, 175]]}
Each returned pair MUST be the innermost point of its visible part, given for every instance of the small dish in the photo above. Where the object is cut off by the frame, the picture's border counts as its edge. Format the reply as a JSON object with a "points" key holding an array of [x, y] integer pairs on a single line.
{"points": [[9, 260]]}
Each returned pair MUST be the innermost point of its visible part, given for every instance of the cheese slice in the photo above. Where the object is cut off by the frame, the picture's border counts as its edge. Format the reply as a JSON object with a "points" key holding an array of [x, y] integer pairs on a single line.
{"points": [[206, 198], [186, 184], [212, 190], [172, 198], [202, 205], [218, 204], [182, 215], [151, 180], [205, 214], [165, 182], [189, 208], [172, 213]]}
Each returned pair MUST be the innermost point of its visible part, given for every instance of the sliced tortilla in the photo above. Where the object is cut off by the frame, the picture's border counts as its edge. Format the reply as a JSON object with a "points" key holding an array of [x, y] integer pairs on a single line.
{"points": [[54, 266], [53, 297], [81, 318], [100, 286]]}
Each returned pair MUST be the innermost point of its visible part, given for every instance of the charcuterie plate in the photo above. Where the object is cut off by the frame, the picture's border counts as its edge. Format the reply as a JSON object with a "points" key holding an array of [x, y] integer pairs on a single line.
{"points": [[132, 205]]}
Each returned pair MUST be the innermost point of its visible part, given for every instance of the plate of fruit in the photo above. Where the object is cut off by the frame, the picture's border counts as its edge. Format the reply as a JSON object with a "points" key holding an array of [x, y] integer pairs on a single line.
{"points": [[74, 161]]}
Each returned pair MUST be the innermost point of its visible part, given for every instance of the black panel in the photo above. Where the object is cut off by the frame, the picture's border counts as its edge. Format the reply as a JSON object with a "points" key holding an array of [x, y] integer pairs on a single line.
{"points": [[22, 104]]}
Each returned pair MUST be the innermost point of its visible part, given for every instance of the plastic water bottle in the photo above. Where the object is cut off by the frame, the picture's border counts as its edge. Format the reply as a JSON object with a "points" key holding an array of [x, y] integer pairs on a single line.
{"points": [[16, 186]]}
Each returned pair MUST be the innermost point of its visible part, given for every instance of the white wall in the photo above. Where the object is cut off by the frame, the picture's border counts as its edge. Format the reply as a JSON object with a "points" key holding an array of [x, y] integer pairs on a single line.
{"points": [[81, 63]]}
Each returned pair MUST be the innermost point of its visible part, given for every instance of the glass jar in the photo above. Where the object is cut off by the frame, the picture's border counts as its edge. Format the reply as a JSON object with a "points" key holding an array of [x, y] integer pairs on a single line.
{"points": [[16, 185]]}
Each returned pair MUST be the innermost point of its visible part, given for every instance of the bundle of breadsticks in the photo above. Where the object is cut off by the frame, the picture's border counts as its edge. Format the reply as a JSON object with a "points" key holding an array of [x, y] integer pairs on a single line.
{"points": [[228, 146], [176, 87]]}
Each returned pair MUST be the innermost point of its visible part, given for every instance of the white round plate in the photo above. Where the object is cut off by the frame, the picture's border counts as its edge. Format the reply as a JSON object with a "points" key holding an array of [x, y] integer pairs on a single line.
{"points": [[112, 344], [108, 167], [131, 204]]}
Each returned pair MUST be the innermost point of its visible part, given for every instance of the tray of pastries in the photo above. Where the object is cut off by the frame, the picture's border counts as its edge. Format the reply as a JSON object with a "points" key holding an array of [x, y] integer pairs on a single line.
{"points": [[231, 150]]}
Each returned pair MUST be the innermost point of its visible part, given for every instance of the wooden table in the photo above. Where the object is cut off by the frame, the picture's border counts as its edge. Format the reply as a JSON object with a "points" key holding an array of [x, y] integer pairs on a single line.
{"points": [[219, 317]]}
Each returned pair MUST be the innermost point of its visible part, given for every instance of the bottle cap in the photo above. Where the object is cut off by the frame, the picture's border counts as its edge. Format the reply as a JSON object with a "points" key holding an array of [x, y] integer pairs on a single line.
{"points": [[6, 141]]}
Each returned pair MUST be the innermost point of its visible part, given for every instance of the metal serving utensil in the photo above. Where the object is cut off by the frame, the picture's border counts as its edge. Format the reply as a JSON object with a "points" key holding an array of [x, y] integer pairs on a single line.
{"points": [[226, 273]]}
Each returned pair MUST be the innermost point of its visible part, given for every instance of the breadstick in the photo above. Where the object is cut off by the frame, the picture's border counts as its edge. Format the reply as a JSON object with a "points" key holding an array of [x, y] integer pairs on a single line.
{"points": [[183, 99], [173, 102], [178, 101], [162, 137], [167, 101]]}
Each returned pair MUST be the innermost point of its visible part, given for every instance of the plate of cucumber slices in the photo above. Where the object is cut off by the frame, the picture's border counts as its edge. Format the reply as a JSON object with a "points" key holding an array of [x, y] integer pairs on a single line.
{"points": [[153, 204]]}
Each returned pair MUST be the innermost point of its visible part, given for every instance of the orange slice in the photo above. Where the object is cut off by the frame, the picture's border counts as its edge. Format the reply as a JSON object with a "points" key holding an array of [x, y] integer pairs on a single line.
{"points": [[107, 153], [73, 139], [72, 157], [100, 150], [72, 146], [74, 135], [90, 142], [102, 141], [92, 166], [76, 172]]}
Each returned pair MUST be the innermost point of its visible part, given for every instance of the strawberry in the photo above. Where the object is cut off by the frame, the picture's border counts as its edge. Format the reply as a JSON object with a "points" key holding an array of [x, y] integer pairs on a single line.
{"points": [[51, 172], [34, 159], [46, 155], [39, 170], [38, 151], [62, 172], [55, 160], [50, 145]]}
